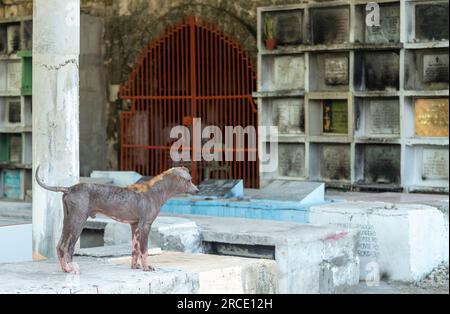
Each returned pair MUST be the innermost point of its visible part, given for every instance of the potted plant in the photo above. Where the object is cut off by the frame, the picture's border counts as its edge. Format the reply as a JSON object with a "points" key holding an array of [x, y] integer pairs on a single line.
{"points": [[271, 42]]}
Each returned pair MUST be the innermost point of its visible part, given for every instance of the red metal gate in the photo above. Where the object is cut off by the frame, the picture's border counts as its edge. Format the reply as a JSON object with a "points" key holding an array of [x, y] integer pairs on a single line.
{"points": [[193, 71]]}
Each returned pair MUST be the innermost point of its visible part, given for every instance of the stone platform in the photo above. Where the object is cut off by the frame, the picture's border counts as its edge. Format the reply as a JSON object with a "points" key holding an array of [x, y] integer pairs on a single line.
{"points": [[176, 273]]}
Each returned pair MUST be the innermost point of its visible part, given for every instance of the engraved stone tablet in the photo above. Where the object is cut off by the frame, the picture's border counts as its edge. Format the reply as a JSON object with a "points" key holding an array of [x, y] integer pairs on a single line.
{"points": [[14, 76], [382, 164], [382, 70], [389, 29], [288, 27], [13, 36], [335, 116], [330, 25], [14, 112], [15, 149], [335, 162], [336, 71], [435, 164], [431, 22], [290, 115], [383, 117], [435, 68], [431, 117], [289, 73], [291, 160]]}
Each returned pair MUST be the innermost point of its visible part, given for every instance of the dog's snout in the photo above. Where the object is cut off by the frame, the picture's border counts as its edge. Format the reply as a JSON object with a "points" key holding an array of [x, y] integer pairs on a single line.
{"points": [[194, 189]]}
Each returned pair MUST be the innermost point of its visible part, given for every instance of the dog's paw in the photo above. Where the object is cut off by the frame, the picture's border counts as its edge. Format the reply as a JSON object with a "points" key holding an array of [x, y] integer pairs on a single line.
{"points": [[135, 266], [148, 269], [72, 268]]}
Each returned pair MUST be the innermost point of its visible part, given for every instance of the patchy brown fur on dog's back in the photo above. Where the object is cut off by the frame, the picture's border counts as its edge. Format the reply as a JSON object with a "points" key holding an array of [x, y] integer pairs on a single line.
{"points": [[144, 187]]}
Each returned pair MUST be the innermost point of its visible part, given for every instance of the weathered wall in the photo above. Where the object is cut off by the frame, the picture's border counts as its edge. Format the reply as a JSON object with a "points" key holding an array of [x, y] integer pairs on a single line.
{"points": [[129, 26]]}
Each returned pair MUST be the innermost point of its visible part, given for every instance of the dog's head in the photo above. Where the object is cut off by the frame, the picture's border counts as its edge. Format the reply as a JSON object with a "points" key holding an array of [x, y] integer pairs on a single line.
{"points": [[181, 181]]}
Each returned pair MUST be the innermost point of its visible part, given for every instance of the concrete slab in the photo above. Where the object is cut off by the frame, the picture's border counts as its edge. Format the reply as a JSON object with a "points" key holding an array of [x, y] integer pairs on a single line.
{"points": [[402, 242], [112, 251], [309, 259], [15, 241], [119, 178], [220, 274], [221, 189], [306, 193], [175, 274]]}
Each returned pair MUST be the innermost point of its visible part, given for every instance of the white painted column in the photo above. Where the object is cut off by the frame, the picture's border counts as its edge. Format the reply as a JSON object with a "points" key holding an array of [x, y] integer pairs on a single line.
{"points": [[56, 49]]}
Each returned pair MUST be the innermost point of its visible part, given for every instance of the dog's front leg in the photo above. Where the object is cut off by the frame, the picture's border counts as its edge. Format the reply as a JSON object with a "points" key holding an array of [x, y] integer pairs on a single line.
{"points": [[144, 232], [135, 246]]}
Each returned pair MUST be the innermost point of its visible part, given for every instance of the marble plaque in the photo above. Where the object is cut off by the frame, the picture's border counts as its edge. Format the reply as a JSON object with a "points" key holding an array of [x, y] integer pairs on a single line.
{"points": [[389, 29], [289, 73], [382, 70], [330, 25], [14, 112], [431, 22], [431, 117], [435, 68], [288, 27], [3, 40], [291, 160], [336, 71], [13, 35], [15, 149], [335, 116], [335, 162], [435, 164], [383, 117], [290, 116], [382, 164], [14, 76]]}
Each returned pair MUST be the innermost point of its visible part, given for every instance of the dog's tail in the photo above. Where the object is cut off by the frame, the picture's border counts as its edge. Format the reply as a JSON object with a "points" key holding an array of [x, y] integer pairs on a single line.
{"points": [[57, 189]]}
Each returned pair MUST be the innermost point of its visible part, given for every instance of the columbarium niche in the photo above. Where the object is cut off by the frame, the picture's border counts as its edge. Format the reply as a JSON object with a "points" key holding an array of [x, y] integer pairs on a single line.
{"points": [[378, 164], [429, 22], [426, 69], [387, 32], [377, 117], [287, 27], [291, 160], [283, 73], [330, 25], [329, 72], [377, 71], [330, 162]]}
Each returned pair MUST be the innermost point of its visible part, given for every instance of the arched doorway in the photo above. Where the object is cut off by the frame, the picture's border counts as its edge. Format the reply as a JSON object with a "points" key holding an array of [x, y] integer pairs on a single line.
{"points": [[192, 71]]}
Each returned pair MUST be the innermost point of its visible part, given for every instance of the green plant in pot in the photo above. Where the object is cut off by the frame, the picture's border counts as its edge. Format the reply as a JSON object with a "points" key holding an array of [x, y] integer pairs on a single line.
{"points": [[270, 40]]}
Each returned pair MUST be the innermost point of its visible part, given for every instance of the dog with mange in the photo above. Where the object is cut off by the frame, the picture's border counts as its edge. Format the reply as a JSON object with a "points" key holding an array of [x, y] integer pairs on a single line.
{"points": [[137, 205]]}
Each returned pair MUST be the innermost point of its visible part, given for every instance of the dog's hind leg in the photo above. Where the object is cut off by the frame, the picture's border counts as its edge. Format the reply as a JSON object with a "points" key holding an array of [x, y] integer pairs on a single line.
{"points": [[135, 247], [144, 232], [74, 221]]}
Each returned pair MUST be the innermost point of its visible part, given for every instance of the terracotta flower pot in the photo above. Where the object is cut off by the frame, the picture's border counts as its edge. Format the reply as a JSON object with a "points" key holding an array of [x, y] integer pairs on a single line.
{"points": [[271, 44]]}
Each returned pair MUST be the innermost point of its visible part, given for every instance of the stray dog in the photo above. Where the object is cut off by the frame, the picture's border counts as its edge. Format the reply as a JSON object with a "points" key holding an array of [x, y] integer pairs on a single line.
{"points": [[137, 205]]}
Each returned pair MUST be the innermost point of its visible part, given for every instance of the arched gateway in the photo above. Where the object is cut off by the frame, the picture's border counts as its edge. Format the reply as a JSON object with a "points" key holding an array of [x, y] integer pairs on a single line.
{"points": [[193, 71]]}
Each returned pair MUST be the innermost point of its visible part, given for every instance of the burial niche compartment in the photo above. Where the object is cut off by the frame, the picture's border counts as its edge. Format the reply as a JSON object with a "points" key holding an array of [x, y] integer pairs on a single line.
{"points": [[431, 117], [378, 164], [387, 32], [10, 148], [431, 22], [3, 40], [328, 117], [377, 71], [330, 162], [426, 69], [287, 26], [283, 73], [13, 38], [377, 117], [329, 72], [291, 160], [330, 25]]}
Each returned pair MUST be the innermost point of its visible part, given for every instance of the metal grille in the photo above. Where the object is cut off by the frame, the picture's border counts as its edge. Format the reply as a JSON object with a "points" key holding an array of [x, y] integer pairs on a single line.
{"points": [[192, 71]]}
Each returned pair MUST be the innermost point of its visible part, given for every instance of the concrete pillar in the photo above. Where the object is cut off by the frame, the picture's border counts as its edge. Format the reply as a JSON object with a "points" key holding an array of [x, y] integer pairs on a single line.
{"points": [[56, 49]]}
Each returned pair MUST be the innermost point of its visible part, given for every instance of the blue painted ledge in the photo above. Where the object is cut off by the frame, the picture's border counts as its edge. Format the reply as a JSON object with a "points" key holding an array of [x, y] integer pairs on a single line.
{"points": [[253, 209]]}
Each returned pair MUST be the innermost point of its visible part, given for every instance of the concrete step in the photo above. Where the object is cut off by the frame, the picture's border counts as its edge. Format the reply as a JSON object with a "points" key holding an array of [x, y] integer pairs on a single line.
{"points": [[176, 273]]}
